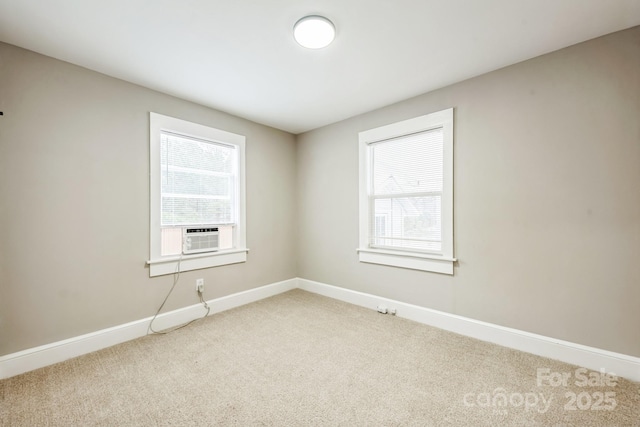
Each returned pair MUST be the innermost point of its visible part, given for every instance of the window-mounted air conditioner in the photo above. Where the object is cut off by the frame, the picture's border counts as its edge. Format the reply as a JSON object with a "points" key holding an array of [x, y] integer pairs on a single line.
{"points": [[199, 239]]}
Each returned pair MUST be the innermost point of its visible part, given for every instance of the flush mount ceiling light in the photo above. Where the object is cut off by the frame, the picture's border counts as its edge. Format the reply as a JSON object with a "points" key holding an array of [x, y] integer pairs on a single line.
{"points": [[314, 32]]}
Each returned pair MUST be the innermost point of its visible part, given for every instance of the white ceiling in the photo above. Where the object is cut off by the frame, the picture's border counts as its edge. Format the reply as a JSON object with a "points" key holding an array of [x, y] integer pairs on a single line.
{"points": [[239, 56]]}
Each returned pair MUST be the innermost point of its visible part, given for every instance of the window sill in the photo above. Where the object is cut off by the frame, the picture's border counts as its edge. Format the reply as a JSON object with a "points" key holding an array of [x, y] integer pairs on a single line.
{"points": [[169, 265], [410, 260]]}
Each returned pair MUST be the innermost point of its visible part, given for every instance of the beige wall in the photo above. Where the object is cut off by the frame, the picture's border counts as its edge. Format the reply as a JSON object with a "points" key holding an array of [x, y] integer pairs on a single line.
{"points": [[74, 202], [547, 198], [547, 221]]}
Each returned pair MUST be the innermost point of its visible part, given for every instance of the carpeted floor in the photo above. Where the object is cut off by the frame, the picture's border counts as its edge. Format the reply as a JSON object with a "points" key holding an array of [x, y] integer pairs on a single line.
{"points": [[303, 359]]}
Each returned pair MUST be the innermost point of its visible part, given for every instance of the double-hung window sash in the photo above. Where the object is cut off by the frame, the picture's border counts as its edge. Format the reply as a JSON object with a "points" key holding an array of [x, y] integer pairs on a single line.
{"points": [[405, 192], [198, 181]]}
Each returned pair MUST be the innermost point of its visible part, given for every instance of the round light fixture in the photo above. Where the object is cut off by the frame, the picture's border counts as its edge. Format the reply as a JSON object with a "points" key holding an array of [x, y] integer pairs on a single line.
{"points": [[314, 32]]}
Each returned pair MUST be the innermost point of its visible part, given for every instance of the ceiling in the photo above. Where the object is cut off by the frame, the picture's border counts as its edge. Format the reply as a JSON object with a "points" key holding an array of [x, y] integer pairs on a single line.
{"points": [[239, 56]]}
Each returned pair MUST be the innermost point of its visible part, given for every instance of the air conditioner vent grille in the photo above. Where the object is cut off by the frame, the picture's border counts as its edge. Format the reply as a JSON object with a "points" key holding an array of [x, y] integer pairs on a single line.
{"points": [[199, 239]]}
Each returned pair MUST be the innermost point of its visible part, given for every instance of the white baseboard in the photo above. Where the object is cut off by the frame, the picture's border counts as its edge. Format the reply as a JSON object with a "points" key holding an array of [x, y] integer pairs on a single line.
{"points": [[45, 355], [576, 354], [589, 357]]}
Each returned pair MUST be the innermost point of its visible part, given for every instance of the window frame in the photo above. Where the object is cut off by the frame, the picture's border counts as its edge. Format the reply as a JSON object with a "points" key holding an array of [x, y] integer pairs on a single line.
{"points": [[441, 262], [158, 264]]}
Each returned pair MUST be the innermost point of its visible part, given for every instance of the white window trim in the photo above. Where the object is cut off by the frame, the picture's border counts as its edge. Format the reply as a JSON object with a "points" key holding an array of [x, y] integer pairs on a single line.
{"points": [[438, 263], [159, 265]]}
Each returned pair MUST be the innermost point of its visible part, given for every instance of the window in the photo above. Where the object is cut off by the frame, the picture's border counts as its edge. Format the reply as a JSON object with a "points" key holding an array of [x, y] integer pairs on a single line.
{"points": [[197, 179], [406, 194]]}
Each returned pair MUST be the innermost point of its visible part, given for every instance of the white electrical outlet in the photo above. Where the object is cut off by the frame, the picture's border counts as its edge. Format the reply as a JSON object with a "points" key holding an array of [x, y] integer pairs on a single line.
{"points": [[200, 285]]}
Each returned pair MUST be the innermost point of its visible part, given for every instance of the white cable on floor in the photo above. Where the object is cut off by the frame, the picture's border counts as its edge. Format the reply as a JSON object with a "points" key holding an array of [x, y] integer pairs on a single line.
{"points": [[176, 277]]}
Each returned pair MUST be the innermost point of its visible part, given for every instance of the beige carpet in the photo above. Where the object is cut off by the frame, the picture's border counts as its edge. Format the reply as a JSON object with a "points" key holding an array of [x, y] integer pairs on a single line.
{"points": [[302, 359]]}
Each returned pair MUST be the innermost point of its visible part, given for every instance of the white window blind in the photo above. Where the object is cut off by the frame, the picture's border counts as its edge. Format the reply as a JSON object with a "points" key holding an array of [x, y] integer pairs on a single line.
{"points": [[198, 181], [406, 186]]}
